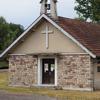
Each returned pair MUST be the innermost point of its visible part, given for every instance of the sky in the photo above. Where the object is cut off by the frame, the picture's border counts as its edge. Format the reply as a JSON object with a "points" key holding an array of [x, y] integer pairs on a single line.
{"points": [[24, 12]]}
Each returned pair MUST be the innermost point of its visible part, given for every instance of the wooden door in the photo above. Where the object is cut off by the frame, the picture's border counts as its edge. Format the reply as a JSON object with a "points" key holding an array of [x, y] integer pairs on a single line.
{"points": [[48, 71]]}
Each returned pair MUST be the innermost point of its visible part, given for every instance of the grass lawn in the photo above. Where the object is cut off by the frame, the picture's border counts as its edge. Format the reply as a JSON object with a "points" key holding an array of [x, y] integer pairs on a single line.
{"points": [[68, 95]]}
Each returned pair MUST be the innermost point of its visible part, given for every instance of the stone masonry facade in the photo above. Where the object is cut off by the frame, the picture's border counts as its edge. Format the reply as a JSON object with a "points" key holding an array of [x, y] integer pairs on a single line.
{"points": [[23, 70], [75, 72]]}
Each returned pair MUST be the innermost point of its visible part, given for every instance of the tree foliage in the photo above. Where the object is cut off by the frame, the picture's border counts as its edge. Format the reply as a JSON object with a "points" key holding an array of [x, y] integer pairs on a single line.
{"points": [[8, 33], [88, 10]]}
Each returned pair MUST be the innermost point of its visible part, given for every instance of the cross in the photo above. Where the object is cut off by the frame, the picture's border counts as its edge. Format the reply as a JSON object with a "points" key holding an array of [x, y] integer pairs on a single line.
{"points": [[47, 32]]}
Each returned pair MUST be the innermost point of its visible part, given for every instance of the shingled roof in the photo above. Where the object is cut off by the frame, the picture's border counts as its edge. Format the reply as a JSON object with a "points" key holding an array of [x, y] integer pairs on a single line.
{"points": [[88, 34]]}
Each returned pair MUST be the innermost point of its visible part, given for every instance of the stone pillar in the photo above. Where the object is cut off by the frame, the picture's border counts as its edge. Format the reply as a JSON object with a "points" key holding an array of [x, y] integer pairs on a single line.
{"points": [[75, 72], [43, 7], [23, 70], [53, 11]]}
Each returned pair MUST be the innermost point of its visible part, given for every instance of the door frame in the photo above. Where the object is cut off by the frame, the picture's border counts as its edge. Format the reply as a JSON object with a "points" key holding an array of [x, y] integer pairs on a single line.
{"points": [[40, 70]]}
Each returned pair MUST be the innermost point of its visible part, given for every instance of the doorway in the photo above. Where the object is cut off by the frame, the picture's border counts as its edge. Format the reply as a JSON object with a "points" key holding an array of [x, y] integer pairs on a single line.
{"points": [[48, 71]]}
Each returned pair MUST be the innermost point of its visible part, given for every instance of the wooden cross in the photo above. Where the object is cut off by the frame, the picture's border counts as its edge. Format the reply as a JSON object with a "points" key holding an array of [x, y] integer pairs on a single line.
{"points": [[47, 32]]}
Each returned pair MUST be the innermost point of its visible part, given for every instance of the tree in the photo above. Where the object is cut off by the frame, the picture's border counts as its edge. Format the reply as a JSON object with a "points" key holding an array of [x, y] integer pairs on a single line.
{"points": [[88, 10], [8, 33]]}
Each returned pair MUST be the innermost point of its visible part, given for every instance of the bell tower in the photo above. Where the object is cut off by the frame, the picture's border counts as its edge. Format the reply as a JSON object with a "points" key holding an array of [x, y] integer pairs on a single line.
{"points": [[49, 7], [53, 9], [43, 7]]}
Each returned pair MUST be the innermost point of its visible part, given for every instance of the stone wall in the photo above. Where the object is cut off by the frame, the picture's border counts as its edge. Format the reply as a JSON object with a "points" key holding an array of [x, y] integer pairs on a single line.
{"points": [[75, 72], [23, 70]]}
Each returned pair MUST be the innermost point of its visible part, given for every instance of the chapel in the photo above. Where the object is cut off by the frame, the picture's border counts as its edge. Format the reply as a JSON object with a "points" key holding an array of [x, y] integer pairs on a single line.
{"points": [[56, 52]]}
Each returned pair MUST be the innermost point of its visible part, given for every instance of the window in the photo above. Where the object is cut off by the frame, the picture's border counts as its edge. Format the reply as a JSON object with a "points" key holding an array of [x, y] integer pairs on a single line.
{"points": [[98, 69]]}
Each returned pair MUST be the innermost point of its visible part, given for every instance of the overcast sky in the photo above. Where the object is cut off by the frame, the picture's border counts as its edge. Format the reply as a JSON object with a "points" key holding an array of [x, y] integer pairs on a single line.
{"points": [[24, 12]]}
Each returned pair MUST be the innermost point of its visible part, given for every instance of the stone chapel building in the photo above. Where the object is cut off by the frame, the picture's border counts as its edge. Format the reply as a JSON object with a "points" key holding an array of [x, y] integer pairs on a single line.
{"points": [[56, 52]]}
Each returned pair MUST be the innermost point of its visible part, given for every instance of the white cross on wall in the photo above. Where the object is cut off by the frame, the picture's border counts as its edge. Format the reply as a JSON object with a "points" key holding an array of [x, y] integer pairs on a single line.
{"points": [[47, 32]]}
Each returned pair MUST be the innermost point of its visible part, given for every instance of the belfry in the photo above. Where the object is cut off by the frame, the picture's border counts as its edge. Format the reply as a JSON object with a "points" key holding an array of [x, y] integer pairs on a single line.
{"points": [[49, 7]]}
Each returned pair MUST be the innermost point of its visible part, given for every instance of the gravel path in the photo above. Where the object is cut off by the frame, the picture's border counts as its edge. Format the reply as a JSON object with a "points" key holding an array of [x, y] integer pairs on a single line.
{"points": [[6, 96]]}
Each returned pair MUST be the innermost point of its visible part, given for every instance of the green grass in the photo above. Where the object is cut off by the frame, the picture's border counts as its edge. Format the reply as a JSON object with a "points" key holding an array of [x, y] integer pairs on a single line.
{"points": [[69, 95]]}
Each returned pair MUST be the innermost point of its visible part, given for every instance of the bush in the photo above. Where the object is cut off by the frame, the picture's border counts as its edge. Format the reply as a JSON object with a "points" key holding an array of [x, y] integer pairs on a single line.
{"points": [[3, 65]]}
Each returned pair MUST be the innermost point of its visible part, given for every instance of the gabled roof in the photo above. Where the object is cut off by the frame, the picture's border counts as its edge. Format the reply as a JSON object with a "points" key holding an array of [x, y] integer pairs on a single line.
{"points": [[79, 32]]}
